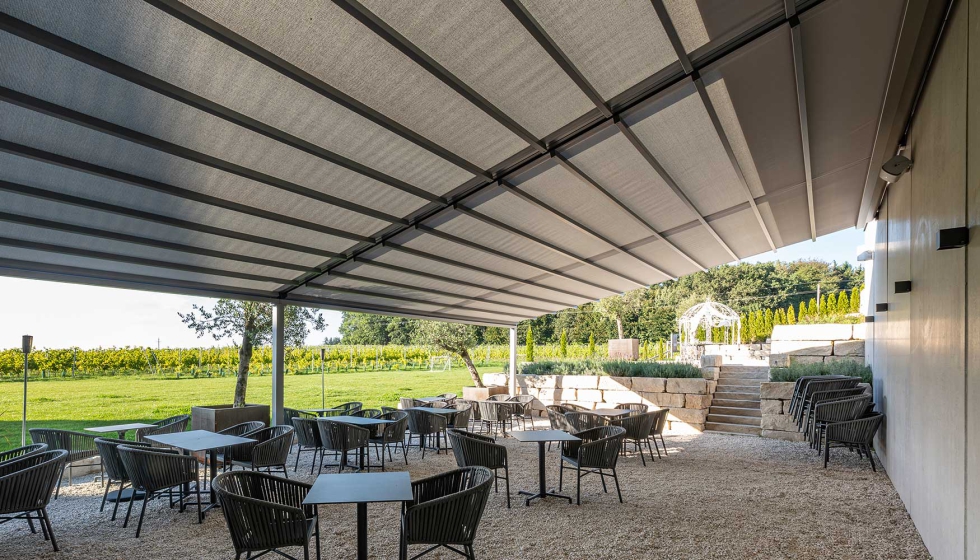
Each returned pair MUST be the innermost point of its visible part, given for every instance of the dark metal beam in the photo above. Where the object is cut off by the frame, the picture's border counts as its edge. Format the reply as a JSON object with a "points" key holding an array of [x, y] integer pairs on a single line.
{"points": [[115, 257], [797, 41], [440, 293], [86, 56], [568, 220], [179, 192], [429, 64], [647, 155], [72, 200], [130, 135], [548, 44], [476, 214], [215, 30], [144, 241], [453, 281], [582, 176]]}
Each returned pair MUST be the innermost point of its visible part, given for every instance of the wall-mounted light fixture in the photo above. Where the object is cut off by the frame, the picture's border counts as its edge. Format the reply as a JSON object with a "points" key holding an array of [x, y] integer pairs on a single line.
{"points": [[881, 307], [869, 319], [952, 238], [903, 287]]}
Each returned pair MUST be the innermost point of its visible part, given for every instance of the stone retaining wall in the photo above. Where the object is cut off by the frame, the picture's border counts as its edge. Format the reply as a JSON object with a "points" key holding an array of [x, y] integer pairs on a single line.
{"points": [[777, 422], [808, 344]]}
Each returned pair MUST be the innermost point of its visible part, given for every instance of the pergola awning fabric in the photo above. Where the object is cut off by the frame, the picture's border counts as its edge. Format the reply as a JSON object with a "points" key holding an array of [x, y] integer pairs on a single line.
{"points": [[467, 160]]}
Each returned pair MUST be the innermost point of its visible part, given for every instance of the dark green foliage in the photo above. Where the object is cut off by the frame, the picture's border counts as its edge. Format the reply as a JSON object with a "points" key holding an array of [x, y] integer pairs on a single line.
{"points": [[616, 368], [529, 345], [845, 367]]}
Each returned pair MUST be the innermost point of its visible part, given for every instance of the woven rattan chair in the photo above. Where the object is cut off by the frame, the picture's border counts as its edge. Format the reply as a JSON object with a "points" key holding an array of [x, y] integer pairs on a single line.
{"points": [[171, 425], [638, 429], [240, 430], [474, 450], [390, 435], [659, 425], [26, 484], [349, 407], [446, 511], [156, 472], [820, 397], [857, 434], [814, 386], [635, 408], [115, 470], [800, 386], [572, 407], [581, 421], [522, 410], [838, 410], [461, 420], [474, 416], [449, 398], [20, 452], [496, 416], [424, 425], [596, 453], [342, 438], [265, 513], [500, 397], [270, 450], [308, 435], [405, 402], [367, 413], [80, 446], [387, 409]]}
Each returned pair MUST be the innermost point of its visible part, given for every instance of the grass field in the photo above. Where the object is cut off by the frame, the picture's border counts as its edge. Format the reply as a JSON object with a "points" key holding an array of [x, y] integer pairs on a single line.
{"points": [[79, 403]]}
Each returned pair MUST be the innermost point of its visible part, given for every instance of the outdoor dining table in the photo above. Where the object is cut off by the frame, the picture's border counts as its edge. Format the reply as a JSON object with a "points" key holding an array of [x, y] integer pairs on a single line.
{"points": [[610, 412], [542, 437], [432, 399], [196, 441], [360, 489], [362, 422], [322, 411], [120, 430]]}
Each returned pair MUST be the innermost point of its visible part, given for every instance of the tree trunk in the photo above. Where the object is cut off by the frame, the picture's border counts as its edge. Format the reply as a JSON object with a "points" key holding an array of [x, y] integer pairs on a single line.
{"points": [[619, 327], [477, 382], [244, 359]]}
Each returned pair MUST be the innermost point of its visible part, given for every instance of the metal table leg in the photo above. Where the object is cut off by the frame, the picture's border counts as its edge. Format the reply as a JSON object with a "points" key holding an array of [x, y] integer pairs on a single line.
{"points": [[362, 531], [542, 482]]}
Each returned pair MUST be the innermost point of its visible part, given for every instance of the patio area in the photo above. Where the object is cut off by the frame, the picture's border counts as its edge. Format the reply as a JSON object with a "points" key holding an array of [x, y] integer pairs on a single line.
{"points": [[714, 496]]}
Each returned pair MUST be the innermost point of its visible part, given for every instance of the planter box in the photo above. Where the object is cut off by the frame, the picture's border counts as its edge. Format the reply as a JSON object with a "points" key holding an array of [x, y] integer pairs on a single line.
{"points": [[484, 393], [218, 417], [624, 349]]}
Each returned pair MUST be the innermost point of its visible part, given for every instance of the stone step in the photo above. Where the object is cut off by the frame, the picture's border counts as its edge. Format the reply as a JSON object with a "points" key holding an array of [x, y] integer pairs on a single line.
{"points": [[738, 388], [761, 375], [735, 403], [730, 419], [740, 429], [744, 382], [735, 411], [729, 395], [742, 368]]}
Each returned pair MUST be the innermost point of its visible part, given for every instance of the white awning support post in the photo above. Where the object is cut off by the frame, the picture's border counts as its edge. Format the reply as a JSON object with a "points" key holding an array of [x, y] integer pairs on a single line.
{"points": [[513, 361], [278, 361]]}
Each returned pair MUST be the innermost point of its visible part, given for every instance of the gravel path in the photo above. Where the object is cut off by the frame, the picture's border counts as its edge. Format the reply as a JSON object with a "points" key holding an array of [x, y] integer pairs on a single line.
{"points": [[714, 496]]}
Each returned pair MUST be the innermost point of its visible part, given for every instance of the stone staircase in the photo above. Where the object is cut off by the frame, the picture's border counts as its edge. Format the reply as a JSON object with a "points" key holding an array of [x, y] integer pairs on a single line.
{"points": [[735, 405]]}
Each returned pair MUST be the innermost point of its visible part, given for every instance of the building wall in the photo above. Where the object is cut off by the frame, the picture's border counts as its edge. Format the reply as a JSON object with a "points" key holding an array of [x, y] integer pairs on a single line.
{"points": [[925, 349]]}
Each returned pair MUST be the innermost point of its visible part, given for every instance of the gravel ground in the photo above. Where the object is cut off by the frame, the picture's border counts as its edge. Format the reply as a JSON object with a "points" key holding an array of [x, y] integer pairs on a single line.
{"points": [[714, 496]]}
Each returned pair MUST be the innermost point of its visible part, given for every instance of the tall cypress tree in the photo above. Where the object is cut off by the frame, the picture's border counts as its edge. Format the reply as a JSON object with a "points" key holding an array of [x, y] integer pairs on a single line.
{"points": [[744, 331], [591, 345], [855, 300], [529, 346], [563, 344], [790, 315], [801, 316], [822, 307], [843, 304], [767, 324], [811, 310], [831, 305]]}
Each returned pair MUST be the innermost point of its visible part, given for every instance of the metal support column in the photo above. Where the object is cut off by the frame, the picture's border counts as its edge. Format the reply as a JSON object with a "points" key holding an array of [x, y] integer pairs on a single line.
{"points": [[513, 361], [278, 361]]}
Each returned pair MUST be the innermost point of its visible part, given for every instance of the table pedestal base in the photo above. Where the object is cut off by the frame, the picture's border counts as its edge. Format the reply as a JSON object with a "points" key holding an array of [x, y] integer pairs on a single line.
{"points": [[542, 486], [531, 496], [124, 496]]}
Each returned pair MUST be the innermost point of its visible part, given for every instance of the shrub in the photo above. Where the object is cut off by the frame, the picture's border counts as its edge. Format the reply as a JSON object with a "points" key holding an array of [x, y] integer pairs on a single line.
{"points": [[846, 367], [617, 368]]}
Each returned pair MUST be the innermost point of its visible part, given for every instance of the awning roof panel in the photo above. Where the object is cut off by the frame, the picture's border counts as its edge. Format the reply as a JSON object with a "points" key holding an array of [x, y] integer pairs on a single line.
{"points": [[700, 22]]}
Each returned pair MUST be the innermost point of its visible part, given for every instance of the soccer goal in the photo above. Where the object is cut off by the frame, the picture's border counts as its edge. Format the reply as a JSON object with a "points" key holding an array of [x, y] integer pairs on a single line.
{"points": [[440, 363]]}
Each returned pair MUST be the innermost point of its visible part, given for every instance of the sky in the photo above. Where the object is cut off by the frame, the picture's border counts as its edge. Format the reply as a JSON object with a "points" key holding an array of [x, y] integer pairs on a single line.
{"points": [[62, 315]]}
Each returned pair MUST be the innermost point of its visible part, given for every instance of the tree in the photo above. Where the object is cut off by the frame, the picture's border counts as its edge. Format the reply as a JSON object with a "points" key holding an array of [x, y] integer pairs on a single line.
{"points": [[831, 305], [779, 317], [619, 307], [744, 329], [822, 306], [529, 345], [452, 337], [767, 324], [811, 310], [591, 345], [843, 304], [790, 316], [563, 344], [251, 323], [856, 300], [801, 317]]}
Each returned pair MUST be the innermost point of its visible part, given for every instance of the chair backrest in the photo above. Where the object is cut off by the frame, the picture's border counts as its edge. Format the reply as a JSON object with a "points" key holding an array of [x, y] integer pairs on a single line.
{"points": [[307, 431], [556, 416], [661, 421], [496, 411], [26, 483], [79, 445], [836, 382], [637, 427], [109, 452], [337, 436], [172, 425], [461, 418], [349, 407], [448, 398], [581, 421], [25, 451], [387, 409], [861, 430], [447, 507], [841, 409], [474, 450], [243, 428], [151, 468], [289, 413], [572, 407], [600, 447], [367, 413], [500, 397], [634, 408], [395, 431], [273, 447], [406, 402], [251, 500], [424, 423]]}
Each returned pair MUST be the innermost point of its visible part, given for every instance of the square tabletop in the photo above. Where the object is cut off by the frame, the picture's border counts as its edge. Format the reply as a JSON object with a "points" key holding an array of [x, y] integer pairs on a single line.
{"points": [[431, 399], [119, 428], [319, 411], [609, 412], [360, 488], [435, 410], [355, 420], [540, 436], [199, 440]]}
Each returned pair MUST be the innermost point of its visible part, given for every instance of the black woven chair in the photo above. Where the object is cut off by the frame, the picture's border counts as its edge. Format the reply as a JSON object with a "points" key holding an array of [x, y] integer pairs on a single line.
{"points": [[80, 446], [20, 452], [474, 416], [387, 409], [581, 421], [572, 407], [815, 386], [406, 402], [445, 511], [474, 450], [342, 438], [26, 484], [424, 425], [638, 430], [659, 424], [820, 397], [115, 470], [800, 386], [856, 434], [265, 513], [348, 407], [838, 410], [171, 425], [308, 435], [270, 450], [367, 413], [496, 416], [597, 452], [156, 472], [500, 397], [240, 430], [449, 398], [390, 435], [522, 410], [461, 420], [635, 409]]}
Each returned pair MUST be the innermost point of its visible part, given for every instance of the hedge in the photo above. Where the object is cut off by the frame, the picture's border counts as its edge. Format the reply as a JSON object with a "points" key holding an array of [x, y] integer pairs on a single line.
{"points": [[844, 367], [616, 368]]}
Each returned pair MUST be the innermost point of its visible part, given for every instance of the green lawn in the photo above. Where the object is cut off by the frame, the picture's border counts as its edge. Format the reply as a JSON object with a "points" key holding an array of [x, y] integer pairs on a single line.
{"points": [[78, 403]]}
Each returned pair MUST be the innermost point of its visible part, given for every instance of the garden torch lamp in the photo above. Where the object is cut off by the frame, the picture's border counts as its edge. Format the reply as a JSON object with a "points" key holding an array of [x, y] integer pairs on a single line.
{"points": [[323, 386], [27, 343]]}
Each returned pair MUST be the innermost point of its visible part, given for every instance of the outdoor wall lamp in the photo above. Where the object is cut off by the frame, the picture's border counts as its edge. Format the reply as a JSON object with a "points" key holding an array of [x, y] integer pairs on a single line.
{"points": [[881, 307], [952, 238], [903, 287]]}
